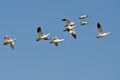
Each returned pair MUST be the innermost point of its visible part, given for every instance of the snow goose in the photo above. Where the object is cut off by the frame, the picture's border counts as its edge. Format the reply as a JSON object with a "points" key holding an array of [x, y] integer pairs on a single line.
{"points": [[68, 22], [56, 40], [84, 23], [41, 35], [8, 40], [83, 16], [101, 32], [71, 30]]}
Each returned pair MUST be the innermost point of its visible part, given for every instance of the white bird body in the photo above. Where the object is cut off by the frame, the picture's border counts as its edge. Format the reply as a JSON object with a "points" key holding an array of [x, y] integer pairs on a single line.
{"points": [[83, 16], [56, 40], [101, 33], [72, 23], [8, 40], [70, 27], [41, 35], [84, 23], [44, 37]]}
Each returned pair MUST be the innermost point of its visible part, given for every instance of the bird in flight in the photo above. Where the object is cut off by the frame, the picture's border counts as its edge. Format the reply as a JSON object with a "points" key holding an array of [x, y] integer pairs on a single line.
{"points": [[84, 23], [8, 40], [41, 35], [56, 40], [70, 27], [71, 30], [101, 32], [83, 16]]}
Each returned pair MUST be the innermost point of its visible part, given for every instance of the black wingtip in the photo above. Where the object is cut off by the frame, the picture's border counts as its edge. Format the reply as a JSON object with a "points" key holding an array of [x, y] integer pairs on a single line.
{"points": [[56, 44], [37, 39], [4, 43], [38, 29], [46, 39], [98, 25], [74, 35], [64, 19]]}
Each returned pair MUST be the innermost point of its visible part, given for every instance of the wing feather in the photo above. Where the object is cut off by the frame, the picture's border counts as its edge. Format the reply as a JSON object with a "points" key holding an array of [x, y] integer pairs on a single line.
{"points": [[72, 32], [7, 37], [68, 22], [100, 30], [56, 44], [12, 45], [39, 31]]}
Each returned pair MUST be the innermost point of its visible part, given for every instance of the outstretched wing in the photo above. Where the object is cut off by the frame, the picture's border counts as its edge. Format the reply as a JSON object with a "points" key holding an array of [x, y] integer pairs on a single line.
{"points": [[12, 45], [56, 44], [7, 37], [100, 30], [72, 32], [68, 22], [39, 31], [83, 16]]}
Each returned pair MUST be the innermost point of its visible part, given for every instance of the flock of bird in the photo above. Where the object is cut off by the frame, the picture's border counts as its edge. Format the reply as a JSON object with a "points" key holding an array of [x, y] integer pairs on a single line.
{"points": [[69, 27]]}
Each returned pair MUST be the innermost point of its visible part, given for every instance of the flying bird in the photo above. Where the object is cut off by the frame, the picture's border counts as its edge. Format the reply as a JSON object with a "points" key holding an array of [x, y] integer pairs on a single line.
{"points": [[84, 23], [71, 30], [69, 27], [101, 32], [83, 16], [41, 35], [8, 40], [68, 22], [56, 40]]}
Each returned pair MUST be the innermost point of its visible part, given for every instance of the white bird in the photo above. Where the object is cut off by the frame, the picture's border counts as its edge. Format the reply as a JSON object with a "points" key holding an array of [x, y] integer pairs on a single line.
{"points": [[8, 40], [83, 16], [71, 30], [84, 23], [101, 32], [41, 35], [56, 40], [68, 22]]}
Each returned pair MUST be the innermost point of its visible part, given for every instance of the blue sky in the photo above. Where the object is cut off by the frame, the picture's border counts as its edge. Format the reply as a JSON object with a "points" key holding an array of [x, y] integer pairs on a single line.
{"points": [[85, 58]]}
